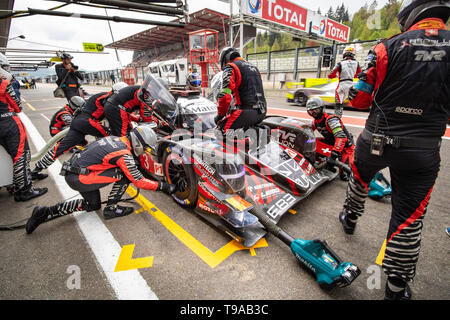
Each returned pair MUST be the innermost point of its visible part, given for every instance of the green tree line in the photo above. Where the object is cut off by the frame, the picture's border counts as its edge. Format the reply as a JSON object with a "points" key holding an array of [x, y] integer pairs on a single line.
{"points": [[367, 23]]}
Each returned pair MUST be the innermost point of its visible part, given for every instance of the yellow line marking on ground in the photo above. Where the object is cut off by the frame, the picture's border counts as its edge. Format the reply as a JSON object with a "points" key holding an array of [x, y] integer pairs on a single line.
{"points": [[31, 107], [292, 211], [212, 259], [380, 257], [139, 211], [126, 261]]}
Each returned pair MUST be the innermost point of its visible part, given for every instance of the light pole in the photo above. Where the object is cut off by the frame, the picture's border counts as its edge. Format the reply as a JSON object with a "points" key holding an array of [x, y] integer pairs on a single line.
{"points": [[21, 37]]}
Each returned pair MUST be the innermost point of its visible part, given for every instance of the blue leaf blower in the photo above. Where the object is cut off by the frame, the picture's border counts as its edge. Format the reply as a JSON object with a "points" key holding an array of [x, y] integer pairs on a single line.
{"points": [[379, 187], [316, 255]]}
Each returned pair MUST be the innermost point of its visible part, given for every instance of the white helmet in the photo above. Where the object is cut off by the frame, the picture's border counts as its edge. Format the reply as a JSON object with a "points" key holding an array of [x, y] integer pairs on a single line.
{"points": [[4, 67], [143, 139], [119, 85]]}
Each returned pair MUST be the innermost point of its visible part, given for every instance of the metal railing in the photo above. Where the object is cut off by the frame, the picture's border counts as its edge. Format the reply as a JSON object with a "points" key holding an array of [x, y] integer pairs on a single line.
{"points": [[299, 60]]}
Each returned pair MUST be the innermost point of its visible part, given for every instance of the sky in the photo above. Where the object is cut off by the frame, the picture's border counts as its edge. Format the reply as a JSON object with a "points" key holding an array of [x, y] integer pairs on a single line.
{"points": [[70, 33]]}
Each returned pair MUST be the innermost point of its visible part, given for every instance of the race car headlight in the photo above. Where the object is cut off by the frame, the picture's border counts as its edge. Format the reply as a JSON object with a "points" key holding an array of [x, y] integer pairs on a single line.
{"points": [[233, 174]]}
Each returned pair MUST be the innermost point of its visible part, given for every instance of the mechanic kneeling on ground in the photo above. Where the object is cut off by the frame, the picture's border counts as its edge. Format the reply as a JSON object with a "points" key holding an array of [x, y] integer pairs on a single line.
{"points": [[108, 160], [86, 121], [63, 117], [405, 81], [334, 132], [13, 137], [241, 81]]}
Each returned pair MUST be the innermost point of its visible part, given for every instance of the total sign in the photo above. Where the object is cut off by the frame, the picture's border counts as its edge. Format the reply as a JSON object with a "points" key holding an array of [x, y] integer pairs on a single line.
{"points": [[336, 31], [279, 11]]}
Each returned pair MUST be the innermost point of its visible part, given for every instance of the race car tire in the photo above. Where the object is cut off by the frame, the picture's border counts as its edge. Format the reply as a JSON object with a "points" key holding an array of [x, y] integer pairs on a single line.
{"points": [[183, 176], [301, 99]]}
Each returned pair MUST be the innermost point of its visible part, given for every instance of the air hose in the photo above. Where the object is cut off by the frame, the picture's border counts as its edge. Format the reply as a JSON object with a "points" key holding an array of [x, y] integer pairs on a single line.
{"points": [[16, 225]]}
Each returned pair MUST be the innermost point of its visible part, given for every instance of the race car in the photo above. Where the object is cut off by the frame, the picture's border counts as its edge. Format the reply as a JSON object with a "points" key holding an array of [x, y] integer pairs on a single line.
{"points": [[224, 182], [324, 91]]}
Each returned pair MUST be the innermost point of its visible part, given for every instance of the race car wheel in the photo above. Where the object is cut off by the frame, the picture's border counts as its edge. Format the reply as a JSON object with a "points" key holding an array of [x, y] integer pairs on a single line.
{"points": [[301, 99], [182, 175]]}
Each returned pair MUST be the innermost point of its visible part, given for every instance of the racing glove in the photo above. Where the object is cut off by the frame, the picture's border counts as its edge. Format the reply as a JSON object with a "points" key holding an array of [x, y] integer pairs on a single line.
{"points": [[352, 93], [335, 155], [167, 188]]}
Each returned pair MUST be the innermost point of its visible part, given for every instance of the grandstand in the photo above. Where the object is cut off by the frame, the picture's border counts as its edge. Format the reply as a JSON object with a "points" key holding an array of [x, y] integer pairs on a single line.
{"points": [[166, 43]]}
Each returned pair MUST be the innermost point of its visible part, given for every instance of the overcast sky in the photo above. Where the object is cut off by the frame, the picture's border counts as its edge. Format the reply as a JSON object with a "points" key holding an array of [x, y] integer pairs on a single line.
{"points": [[72, 32]]}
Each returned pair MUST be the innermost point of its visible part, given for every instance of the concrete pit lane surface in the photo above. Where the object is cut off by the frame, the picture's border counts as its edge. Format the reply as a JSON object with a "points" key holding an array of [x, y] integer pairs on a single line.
{"points": [[163, 251]]}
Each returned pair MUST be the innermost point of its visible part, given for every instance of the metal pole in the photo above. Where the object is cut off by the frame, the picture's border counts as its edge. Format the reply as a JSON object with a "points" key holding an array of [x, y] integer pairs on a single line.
{"points": [[231, 23], [296, 63], [319, 64], [98, 17], [112, 37], [131, 5], [241, 29]]}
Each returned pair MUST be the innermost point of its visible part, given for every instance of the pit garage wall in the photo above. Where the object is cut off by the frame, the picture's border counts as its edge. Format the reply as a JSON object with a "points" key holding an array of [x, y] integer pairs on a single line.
{"points": [[278, 67]]}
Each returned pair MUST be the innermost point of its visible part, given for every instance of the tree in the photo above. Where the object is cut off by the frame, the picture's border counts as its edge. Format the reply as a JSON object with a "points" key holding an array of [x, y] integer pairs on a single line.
{"points": [[276, 45], [330, 13]]}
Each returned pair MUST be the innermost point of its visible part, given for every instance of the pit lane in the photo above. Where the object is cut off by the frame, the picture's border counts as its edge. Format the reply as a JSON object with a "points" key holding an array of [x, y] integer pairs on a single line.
{"points": [[191, 259]]}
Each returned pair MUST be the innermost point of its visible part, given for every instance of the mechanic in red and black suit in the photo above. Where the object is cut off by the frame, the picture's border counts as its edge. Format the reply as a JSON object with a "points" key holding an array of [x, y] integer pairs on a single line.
{"points": [[334, 132], [13, 138], [120, 106], [85, 122], [62, 118], [105, 161], [406, 83], [241, 82]]}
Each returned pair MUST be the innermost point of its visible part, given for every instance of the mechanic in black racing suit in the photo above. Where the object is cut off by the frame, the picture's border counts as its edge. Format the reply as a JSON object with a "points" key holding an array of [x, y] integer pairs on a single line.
{"points": [[120, 107], [13, 137], [85, 122], [334, 132], [105, 161], [406, 82], [241, 82], [62, 118]]}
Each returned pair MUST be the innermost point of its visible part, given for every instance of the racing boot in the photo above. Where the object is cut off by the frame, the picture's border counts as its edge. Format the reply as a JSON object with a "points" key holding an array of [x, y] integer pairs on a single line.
{"points": [[28, 194], [115, 211], [38, 216], [348, 224], [397, 289], [167, 188], [36, 174], [43, 214]]}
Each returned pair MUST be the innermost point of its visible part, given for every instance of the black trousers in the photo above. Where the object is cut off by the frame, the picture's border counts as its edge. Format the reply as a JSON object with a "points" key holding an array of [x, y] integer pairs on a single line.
{"points": [[241, 118], [70, 92], [81, 126], [118, 119], [413, 174], [90, 191], [13, 138]]}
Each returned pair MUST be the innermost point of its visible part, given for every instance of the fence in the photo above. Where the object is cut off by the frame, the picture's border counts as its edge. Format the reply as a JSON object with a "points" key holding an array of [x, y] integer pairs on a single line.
{"points": [[297, 63], [275, 66]]}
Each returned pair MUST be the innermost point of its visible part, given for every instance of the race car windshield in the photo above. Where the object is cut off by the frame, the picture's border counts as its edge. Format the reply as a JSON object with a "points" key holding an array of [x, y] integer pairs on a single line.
{"points": [[206, 120], [166, 102]]}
